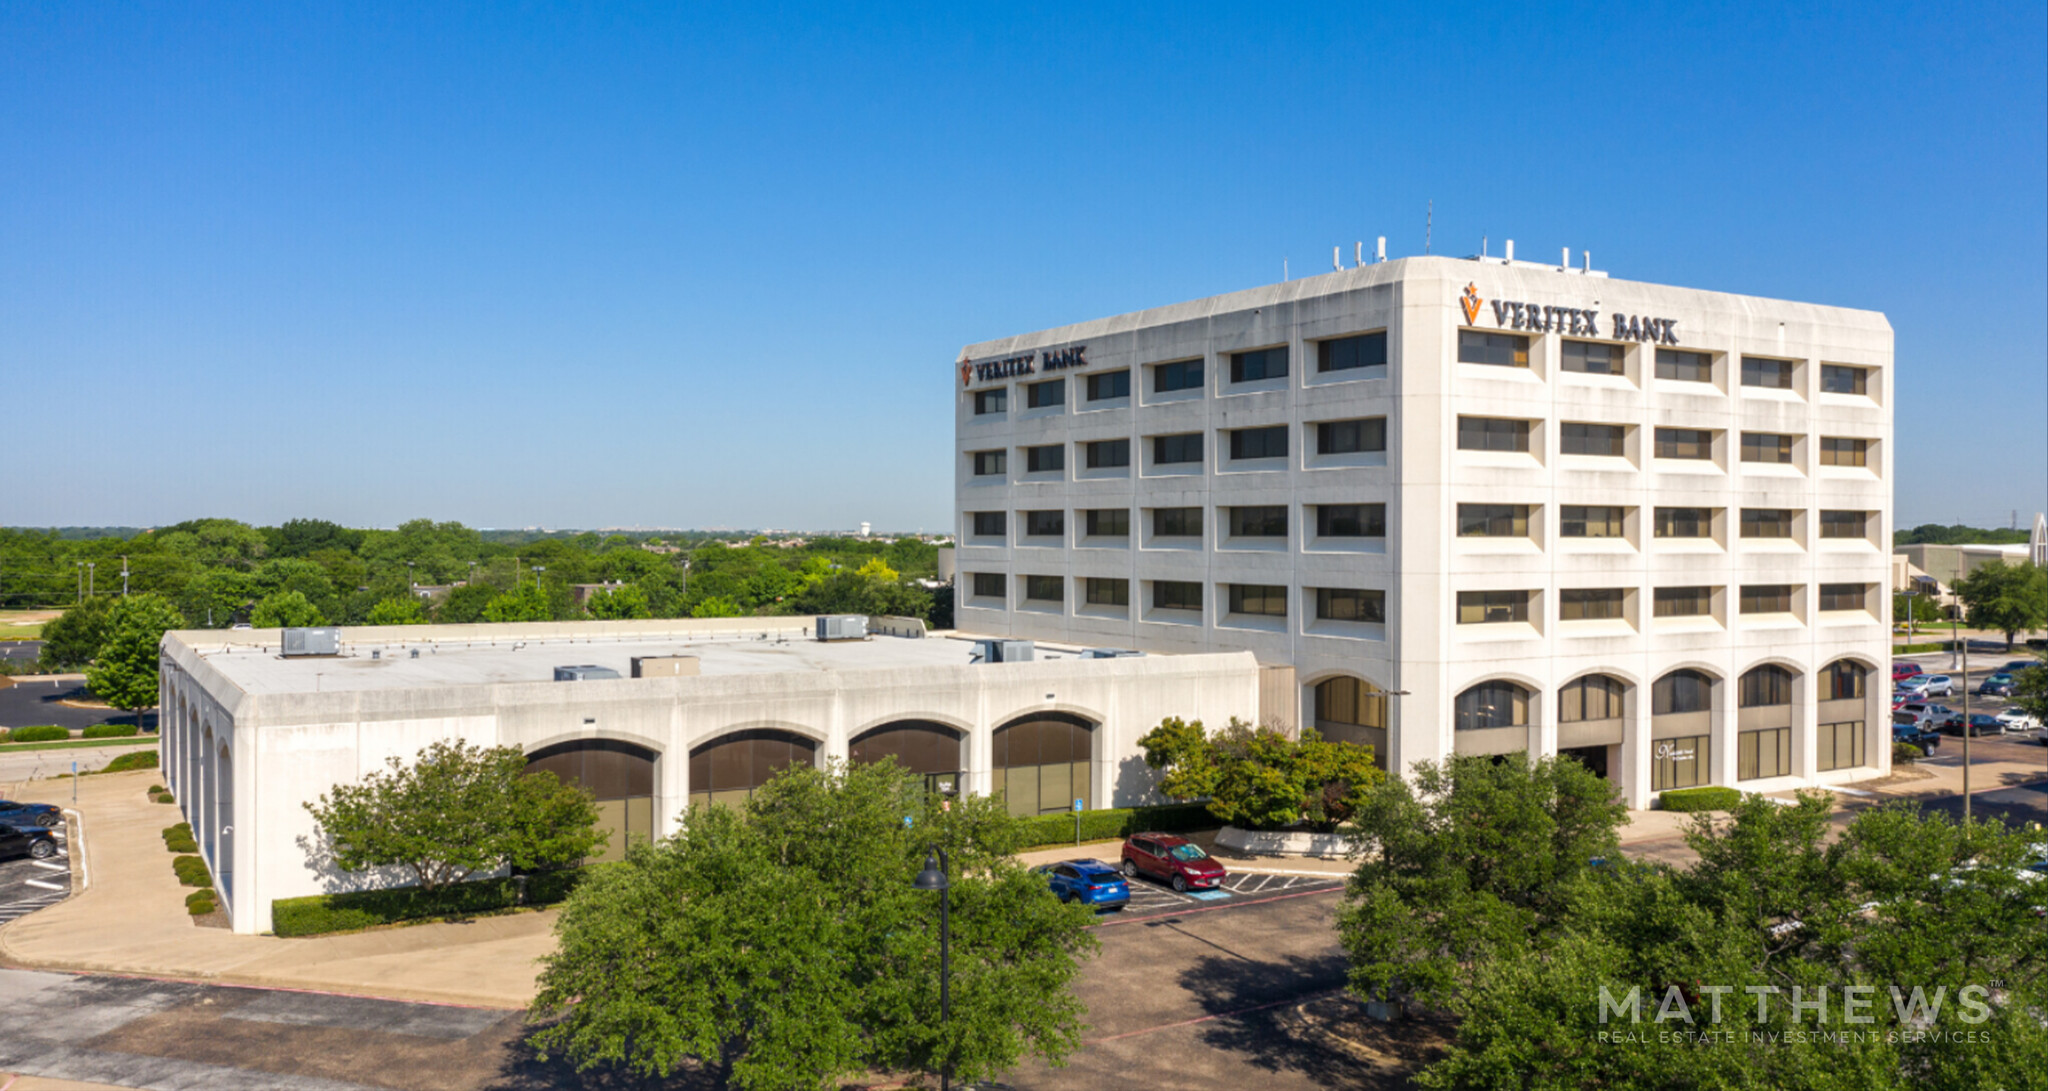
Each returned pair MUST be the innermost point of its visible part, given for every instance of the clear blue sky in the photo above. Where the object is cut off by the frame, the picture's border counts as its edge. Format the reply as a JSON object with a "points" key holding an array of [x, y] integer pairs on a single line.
{"points": [[568, 267]]}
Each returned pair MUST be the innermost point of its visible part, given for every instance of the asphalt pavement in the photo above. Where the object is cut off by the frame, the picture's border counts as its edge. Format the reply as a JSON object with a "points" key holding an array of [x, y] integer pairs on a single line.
{"points": [[21, 651], [27, 884], [39, 702]]}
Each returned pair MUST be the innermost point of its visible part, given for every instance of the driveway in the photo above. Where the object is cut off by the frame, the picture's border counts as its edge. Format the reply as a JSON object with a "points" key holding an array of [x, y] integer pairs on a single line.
{"points": [[38, 702], [27, 885]]}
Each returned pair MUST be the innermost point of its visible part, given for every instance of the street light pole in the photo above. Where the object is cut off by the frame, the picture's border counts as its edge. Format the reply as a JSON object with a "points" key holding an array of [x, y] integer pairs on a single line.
{"points": [[932, 878]]}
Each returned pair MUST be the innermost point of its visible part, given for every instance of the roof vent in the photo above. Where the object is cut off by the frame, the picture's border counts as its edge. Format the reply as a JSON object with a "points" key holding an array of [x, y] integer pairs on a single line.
{"points": [[1110, 653], [843, 627], [298, 642], [1002, 651], [584, 673]]}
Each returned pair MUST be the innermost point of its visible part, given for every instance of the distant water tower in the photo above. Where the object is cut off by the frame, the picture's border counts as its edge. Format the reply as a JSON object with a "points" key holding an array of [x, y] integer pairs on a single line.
{"points": [[864, 527]]}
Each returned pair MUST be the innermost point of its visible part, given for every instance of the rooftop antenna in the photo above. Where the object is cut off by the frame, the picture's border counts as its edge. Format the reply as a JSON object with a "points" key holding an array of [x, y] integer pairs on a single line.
{"points": [[1283, 269], [1428, 225], [1337, 258], [1358, 254], [1482, 245]]}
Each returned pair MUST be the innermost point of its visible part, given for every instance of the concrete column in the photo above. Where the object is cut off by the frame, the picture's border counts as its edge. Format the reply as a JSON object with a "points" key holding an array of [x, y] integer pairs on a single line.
{"points": [[1805, 725], [223, 821], [1722, 723], [672, 777]]}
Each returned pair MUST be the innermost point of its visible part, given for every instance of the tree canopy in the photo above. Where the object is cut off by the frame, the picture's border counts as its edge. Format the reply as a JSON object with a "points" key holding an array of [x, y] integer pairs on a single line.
{"points": [[124, 674], [1259, 778], [286, 609], [2009, 598], [455, 811], [782, 945]]}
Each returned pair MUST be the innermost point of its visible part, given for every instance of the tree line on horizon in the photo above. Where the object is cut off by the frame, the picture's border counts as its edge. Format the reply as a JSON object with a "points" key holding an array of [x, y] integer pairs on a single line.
{"points": [[214, 573]]}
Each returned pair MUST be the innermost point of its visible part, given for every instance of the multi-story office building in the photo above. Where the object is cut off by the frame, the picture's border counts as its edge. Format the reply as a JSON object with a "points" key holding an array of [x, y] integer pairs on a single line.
{"points": [[1476, 505]]}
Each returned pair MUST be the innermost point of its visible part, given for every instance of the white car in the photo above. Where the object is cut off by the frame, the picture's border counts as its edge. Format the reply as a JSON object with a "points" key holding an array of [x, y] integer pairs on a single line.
{"points": [[1928, 685], [2014, 720]]}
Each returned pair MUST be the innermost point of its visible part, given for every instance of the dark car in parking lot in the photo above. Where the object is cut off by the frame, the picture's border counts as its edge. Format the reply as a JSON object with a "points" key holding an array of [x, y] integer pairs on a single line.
{"points": [[1980, 724], [1090, 882], [1926, 741], [1175, 861], [1998, 685], [31, 841], [29, 814]]}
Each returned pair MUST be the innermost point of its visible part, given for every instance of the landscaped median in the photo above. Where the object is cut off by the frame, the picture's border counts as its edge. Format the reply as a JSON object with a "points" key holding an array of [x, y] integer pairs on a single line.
{"points": [[324, 913], [1048, 830], [1711, 798]]}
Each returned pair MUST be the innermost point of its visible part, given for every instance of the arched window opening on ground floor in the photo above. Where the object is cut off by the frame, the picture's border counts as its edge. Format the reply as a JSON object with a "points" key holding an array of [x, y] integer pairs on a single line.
{"points": [[1040, 764], [619, 774], [727, 770]]}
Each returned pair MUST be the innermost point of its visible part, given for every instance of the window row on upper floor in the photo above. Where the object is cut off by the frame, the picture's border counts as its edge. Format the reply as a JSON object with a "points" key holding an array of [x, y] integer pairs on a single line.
{"points": [[1362, 441], [1364, 356], [1247, 525]]}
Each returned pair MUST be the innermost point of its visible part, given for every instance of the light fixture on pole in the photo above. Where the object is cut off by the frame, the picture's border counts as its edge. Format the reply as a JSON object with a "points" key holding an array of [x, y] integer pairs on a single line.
{"points": [[934, 878]]}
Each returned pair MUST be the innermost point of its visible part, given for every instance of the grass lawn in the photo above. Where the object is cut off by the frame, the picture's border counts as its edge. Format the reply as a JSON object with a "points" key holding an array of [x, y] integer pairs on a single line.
{"points": [[77, 744], [23, 624]]}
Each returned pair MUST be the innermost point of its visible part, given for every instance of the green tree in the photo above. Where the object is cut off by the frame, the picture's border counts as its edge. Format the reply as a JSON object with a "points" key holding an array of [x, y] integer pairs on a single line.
{"points": [[1902, 900], [877, 569], [1258, 778], [1919, 608], [285, 610], [527, 602], [466, 604], [405, 610], [1463, 860], [124, 673], [2009, 598], [2029, 691], [718, 606], [618, 603], [783, 946], [214, 598], [456, 811], [770, 584], [72, 639]]}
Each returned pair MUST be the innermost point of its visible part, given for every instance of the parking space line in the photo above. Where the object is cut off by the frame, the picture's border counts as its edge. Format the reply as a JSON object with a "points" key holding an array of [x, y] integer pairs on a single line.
{"points": [[48, 866], [43, 885]]}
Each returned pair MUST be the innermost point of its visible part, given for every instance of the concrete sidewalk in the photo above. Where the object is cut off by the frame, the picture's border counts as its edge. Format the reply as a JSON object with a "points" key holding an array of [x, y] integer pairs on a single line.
{"points": [[131, 919]]}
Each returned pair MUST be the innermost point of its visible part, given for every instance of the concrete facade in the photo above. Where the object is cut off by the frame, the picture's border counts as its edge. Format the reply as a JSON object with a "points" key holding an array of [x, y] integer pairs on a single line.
{"points": [[248, 736], [1417, 650]]}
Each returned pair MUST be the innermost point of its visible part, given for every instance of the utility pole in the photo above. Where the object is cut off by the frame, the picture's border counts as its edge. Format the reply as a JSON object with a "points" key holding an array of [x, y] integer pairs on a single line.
{"points": [[1963, 653], [91, 571], [81, 579], [124, 575]]}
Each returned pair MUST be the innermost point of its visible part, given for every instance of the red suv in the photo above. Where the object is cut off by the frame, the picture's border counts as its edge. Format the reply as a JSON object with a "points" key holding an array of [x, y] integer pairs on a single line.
{"points": [[1170, 859], [1902, 670]]}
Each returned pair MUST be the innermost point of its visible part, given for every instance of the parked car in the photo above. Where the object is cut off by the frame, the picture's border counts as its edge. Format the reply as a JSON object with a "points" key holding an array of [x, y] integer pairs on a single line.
{"points": [[29, 814], [2017, 665], [1926, 741], [2016, 720], [1090, 882], [1921, 714], [1929, 685], [1980, 724], [31, 841], [1998, 685], [1902, 670], [1176, 861]]}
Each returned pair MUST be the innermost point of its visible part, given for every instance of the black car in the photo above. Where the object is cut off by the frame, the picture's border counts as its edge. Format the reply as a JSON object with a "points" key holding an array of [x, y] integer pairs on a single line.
{"points": [[30, 841], [1980, 724], [45, 815], [1925, 741]]}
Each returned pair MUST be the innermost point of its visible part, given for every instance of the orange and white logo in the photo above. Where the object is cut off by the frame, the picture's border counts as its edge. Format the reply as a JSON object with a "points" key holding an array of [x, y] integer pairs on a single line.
{"points": [[1470, 301], [966, 374]]}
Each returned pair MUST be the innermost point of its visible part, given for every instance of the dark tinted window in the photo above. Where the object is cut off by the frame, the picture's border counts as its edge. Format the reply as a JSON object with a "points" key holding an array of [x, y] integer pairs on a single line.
{"points": [[1346, 353], [1491, 704], [1045, 459], [988, 585], [1045, 523], [1764, 687], [1683, 601], [1490, 607], [1350, 604], [1504, 349], [1492, 434], [1351, 520], [990, 524], [1493, 520], [1681, 692], [1685, 523], [1177, 522], [1843, 524], [1766, 523], [1689, 367], [1775, 374], [1843, 379], [1590, 604], [1594, 439], [1184, 375], [1270, 442], [1843, 596], [1248, 367], [1587, 521], [1766, 447], [1104, 592], [1109, 523], [1045, 588], [1176, 595], [1108, 385], [1268, 600], [991, 401], [1837, 451], [1107, 454], [1592, 358], [1767, 598], [1686, 443], [1344, 437], [1185, 447], [1048, 393], [1261, 521], [991, 463]]}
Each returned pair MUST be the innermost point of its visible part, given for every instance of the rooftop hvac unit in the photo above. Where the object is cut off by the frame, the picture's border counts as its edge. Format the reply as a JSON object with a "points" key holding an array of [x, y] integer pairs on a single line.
{"points": [[665, 666], [1002, 651], [843, 627], [1110, 653], [325, 641], [583, 673]]}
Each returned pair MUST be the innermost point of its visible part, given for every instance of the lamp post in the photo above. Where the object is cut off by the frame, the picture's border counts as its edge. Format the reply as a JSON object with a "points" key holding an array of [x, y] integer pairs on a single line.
{"points": [[934, 878]]}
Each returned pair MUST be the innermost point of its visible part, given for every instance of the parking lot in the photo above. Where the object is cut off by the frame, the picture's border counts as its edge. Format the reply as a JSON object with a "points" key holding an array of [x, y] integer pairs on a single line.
{"points": [[1148, 897], [28, 885]]}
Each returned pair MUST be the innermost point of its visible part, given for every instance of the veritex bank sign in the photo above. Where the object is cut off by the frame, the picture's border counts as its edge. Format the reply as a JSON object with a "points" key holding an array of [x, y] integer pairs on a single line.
{"points": [[1031, 363], [1543, 318]]}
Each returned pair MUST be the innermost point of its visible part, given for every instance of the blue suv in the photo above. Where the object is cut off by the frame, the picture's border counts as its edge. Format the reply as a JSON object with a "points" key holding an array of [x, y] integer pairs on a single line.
{"points": [[1090, 882]]}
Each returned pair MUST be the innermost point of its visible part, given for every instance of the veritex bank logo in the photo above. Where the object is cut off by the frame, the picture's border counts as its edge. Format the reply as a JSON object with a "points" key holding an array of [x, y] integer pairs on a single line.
{"points": [[1577, 321]]}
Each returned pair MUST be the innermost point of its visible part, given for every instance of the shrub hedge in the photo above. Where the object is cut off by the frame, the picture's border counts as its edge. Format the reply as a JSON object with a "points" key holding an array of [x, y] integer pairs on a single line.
{"points": [[141, 759], [164, 797], [200, 902], [179, 838], [1904, 753], [323, 913], [110, 731], [192, 871], [1713, 798], [1058, 829], [39, 733]]}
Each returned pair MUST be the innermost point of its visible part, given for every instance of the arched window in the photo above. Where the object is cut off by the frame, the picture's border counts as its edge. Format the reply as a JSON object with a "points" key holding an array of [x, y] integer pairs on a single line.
{"points": [[619, 774], [1040, 763], [1682, 691], [728, 769], [1492, 704], [1594, 697], [1764, 687], [920, 746], [1353, 710], [1843, 680]]}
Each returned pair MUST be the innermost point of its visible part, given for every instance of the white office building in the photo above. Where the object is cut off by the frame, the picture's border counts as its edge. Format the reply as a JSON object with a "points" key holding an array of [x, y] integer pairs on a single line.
{"points": [[1474, 505]]}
